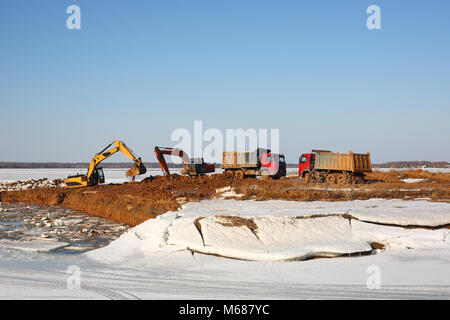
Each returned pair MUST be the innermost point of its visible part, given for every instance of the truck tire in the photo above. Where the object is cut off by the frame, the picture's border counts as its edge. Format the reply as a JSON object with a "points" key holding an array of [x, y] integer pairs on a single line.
{"points": [[264, 174], [341, 179], [239, 174], [307, 177], [331, 179], [358, 179], [228, 174]]}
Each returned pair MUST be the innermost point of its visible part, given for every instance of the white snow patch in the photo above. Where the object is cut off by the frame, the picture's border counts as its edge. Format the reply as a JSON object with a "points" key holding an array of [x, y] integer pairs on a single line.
{"points": [[412, 180], [279, 235], [276, 238], [394, 237], [32, 246], [226, 192]]}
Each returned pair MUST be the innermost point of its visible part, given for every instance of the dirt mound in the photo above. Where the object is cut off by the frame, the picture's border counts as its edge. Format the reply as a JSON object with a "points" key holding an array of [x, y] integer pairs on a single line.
{"points": [[130, 203], [133, 202]]}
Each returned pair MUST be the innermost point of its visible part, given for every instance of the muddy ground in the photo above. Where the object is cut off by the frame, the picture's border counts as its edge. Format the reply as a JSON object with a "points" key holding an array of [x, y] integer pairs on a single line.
{"points": [[133, 203]]}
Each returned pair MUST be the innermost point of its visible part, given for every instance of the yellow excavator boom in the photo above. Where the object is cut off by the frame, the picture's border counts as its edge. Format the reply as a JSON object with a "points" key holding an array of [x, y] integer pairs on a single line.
{"points": [[92, 178]]}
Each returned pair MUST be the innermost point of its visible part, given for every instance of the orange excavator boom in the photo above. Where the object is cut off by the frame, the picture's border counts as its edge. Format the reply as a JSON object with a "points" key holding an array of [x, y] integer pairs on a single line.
{"points": [[161, 151]]}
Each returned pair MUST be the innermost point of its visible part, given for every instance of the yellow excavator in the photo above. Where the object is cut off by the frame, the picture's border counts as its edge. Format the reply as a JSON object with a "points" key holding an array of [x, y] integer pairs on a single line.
{"points": [[95, 175]]}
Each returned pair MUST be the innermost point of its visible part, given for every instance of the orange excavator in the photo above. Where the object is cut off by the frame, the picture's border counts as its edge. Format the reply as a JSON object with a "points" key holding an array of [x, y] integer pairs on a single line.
{"points": [[191, 167]]}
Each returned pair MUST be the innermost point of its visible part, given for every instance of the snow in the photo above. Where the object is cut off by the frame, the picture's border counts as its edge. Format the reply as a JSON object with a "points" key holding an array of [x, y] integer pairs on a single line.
{"points": [[276, 238], [32, 246], [399, 212], [285, 230], [111, 175], [394, 237], [228, 192], [151, 260], [424, 169], [412, 180]]}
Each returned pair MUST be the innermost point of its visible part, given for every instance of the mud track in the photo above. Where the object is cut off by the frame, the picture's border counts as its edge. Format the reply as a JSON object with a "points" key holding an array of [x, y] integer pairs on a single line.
{"points": [[133, 203]]}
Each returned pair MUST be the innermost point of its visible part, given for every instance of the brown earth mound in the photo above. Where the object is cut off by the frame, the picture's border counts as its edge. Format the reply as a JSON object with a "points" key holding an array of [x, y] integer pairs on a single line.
{"points": [[133, 203], [130, 203]]}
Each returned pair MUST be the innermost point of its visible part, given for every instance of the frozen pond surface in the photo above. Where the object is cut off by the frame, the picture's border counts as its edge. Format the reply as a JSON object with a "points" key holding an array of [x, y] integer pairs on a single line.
{"points": [[35, 228]]}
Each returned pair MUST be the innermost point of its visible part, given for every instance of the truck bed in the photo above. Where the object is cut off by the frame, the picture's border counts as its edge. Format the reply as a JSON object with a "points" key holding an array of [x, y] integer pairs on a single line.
{"points": [[240, 159], [354, 162]]}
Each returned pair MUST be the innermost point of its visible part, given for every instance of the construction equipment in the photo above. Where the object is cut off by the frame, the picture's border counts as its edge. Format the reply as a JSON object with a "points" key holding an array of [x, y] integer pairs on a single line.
{"points": [[261, 162], [340, 168], [191, 167], [95, 175]]}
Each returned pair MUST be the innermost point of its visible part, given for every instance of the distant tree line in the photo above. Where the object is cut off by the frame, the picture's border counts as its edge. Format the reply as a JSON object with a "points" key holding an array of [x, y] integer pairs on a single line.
{"points": [[77, 165], [413, 164]]}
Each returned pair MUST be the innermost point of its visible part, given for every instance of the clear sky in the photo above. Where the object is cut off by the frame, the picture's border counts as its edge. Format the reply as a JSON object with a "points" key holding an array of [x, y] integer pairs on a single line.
{"points": [[137, 70]]}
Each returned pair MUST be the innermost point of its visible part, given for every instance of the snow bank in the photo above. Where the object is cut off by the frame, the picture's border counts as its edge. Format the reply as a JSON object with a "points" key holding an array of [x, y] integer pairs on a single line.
{"points": [[280, 230], [392, 212], [401, 238], [274, 238], [141, 241]]}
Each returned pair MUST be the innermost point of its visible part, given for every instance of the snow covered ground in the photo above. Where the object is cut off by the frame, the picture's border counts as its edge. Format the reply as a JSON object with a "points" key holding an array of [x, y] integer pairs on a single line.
{"points": [[424, 169], [412, 180], [111, 175], [160, 258]]}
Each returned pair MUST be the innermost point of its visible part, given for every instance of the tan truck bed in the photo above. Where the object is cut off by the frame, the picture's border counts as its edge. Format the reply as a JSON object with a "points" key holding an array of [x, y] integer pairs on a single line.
{"points": [[354, 162], [239, 159]]}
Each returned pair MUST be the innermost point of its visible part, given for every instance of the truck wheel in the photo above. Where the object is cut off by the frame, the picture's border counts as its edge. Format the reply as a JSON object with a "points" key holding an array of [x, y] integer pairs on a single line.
{"points": [[359, 179], [307, 177], [341, 180], [331, 179], [239, 174], [229, 174]]}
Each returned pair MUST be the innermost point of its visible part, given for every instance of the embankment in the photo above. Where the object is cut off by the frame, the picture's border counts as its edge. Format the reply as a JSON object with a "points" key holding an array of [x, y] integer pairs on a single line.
{"points": [[133, 203]]}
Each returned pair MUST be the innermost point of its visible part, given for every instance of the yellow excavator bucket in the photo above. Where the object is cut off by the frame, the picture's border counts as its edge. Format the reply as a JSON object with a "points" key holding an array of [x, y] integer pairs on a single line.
{"points": [[136, 170]]}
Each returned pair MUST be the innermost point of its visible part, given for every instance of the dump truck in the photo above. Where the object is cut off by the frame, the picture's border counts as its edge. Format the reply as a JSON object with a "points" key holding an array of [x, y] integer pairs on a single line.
{"points": [[340, 168], [260, 162]]}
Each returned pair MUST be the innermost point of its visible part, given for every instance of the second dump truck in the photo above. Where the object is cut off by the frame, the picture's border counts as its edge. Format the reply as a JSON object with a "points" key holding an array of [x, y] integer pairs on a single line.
{"points": [[340, 168], [261, 162]]}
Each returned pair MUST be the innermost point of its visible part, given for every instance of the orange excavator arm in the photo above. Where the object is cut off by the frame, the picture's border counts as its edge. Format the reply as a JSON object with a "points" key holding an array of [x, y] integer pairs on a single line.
{"points": [[161, 151]]}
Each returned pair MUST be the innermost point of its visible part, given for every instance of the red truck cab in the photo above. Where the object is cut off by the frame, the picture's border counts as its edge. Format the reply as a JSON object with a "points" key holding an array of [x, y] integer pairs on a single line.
{"points": [[305, 163], [275, 164]]}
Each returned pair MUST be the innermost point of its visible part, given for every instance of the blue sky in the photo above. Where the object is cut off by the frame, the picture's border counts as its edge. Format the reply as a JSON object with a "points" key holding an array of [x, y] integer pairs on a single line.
{"points": [[137, 70]]}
